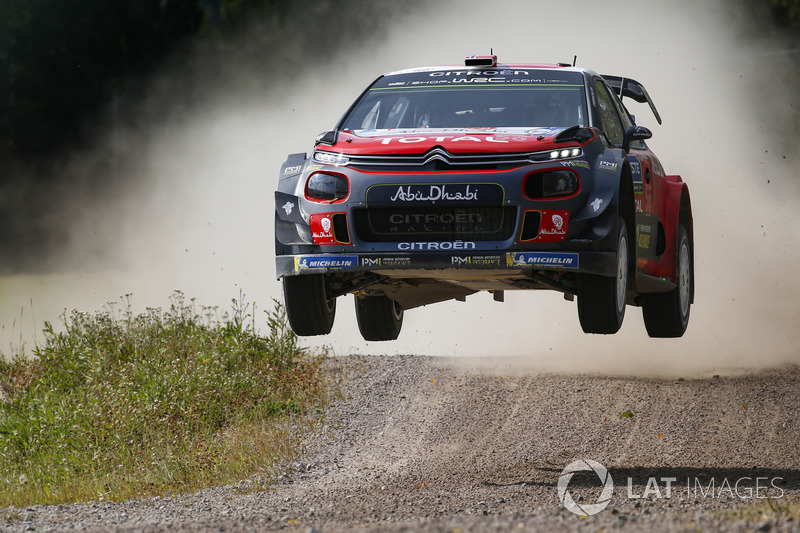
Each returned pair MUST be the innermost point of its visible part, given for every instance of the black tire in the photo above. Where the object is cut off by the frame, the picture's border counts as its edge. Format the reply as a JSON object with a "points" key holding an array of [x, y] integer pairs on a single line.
{"points": [[379, 318], [666, 314], [309, 310], [602, 299]]}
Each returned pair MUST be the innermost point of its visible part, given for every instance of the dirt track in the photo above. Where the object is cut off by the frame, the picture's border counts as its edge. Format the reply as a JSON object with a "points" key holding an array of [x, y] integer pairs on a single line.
{"points": [[419, 443]]}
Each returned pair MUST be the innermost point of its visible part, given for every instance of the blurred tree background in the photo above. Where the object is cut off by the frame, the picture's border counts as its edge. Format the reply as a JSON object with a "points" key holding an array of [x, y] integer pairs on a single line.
{"points": [[66, 65], [73, 71]]}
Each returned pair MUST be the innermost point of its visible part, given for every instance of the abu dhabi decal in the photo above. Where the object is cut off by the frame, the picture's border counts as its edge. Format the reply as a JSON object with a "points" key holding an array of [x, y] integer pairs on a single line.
{"points": [[486, 193], [559, 260], [553, 226], [331, 262], [322, 228], [435, 193]]}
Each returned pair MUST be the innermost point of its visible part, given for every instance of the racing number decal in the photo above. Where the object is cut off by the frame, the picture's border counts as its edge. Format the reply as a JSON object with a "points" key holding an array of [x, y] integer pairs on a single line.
{"points": [[638, 186]]}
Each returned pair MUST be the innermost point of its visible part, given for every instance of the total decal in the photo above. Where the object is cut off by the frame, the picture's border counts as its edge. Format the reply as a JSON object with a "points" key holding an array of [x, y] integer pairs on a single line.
{"points": [[443, 138], [312, 262], [488, 134], [322, 229], [559, 260]]}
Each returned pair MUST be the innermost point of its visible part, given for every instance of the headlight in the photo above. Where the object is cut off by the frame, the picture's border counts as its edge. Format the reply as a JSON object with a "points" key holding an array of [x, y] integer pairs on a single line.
{"points": [[566, 153], [323, 187], [551, 183], [331, 158], [556, 155]]}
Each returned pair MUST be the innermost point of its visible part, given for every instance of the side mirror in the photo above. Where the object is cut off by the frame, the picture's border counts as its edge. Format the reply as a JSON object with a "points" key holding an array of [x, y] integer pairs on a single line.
{"points": [[635, 133], [326, 137]]}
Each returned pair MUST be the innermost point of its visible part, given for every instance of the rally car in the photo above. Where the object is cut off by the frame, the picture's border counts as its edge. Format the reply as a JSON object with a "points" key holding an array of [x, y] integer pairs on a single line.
{"points": [[439, 182]]}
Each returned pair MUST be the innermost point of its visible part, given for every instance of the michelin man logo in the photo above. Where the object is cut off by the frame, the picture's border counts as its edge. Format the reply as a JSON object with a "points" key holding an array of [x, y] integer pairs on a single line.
{"points": [[583, 509]]}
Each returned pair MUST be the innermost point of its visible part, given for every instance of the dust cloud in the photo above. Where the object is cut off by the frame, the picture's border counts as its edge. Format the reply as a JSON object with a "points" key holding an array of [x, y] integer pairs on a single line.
{"points": [[200, 220]]}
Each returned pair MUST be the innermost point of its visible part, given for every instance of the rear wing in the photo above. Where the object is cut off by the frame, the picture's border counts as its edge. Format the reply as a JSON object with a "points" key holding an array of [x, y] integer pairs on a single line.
{"points": [[626, 87]]}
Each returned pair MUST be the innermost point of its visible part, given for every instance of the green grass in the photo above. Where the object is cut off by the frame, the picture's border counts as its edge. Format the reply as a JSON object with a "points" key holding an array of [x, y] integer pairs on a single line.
{"points": [[115, 405]]}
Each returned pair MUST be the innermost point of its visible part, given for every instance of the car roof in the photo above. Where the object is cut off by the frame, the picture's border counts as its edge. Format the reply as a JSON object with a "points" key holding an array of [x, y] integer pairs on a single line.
{"points": [[498, 66]]}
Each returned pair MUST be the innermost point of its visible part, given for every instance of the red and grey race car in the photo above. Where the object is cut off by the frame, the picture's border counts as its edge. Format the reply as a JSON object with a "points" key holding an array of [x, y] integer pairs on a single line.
{"points": [[439, 182]]}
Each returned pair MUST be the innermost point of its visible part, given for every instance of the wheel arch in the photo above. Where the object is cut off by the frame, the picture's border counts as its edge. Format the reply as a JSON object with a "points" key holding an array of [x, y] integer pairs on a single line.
{"points": [[626, 208], [686, 220], [678, 211]]}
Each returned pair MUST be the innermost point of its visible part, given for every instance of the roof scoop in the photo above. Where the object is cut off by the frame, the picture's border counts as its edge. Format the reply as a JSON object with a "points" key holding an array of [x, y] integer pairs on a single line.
{"points": [[481, 61]]}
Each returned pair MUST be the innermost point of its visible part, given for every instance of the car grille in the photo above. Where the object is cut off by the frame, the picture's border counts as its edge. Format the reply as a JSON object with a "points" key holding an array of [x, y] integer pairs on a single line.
{"points": [[439, 159], [434, 224]]}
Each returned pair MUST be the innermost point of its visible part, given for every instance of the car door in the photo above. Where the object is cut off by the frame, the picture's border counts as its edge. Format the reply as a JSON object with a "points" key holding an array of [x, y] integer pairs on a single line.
{"points": [[646, 172]]}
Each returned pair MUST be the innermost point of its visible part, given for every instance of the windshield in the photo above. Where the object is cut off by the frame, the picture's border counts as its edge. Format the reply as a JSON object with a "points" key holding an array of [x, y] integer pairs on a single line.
{"points": [[471, 99]]}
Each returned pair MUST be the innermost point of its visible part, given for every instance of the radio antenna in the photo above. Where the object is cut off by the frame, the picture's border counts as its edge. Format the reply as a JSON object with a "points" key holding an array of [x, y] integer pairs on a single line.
{"points": [[574, 60]]}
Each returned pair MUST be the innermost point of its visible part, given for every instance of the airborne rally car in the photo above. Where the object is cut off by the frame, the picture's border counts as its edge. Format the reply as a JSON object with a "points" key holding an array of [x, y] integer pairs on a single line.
{"points": [[440, 182]]}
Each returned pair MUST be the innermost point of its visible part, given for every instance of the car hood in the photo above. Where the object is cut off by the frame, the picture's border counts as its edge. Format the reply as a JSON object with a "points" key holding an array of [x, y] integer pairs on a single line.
{"points": [[473, 140]]}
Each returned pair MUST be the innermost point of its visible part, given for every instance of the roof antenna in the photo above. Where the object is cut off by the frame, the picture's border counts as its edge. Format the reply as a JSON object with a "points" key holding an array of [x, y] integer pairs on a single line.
{"points": [[574, 60]]}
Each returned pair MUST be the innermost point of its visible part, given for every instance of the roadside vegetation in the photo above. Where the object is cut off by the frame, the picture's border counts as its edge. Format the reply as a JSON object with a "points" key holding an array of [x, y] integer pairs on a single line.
{"points": [[114, 405]]}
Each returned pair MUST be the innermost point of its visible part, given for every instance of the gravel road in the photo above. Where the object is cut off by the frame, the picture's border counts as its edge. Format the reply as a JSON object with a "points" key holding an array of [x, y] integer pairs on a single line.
{"points": [[438, 444]]}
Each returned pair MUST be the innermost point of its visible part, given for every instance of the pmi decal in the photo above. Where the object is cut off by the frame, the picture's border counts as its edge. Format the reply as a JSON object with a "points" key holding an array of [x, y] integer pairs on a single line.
{"points": [[385, 261], [476, 260]]}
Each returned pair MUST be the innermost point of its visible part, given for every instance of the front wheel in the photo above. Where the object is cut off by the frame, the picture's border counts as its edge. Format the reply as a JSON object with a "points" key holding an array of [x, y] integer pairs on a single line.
{"points": [[602, 299], [379, 318], [666, 315], [309, 309]]}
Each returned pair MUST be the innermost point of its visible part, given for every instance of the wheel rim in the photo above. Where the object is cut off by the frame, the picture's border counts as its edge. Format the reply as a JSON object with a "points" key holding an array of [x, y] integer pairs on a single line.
{"points": [[397, 311], [684, 278], [330, 303], [622, 273]]}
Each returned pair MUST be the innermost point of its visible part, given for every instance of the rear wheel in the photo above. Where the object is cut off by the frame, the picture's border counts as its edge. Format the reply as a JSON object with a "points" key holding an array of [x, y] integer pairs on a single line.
{"points": [[309, 309], [667, 314], [379, 318], [602, 299]]}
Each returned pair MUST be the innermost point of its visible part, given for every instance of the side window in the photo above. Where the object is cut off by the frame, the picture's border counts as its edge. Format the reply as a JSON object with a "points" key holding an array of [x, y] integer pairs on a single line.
{"points": [[626, 121], [608, 114]]}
